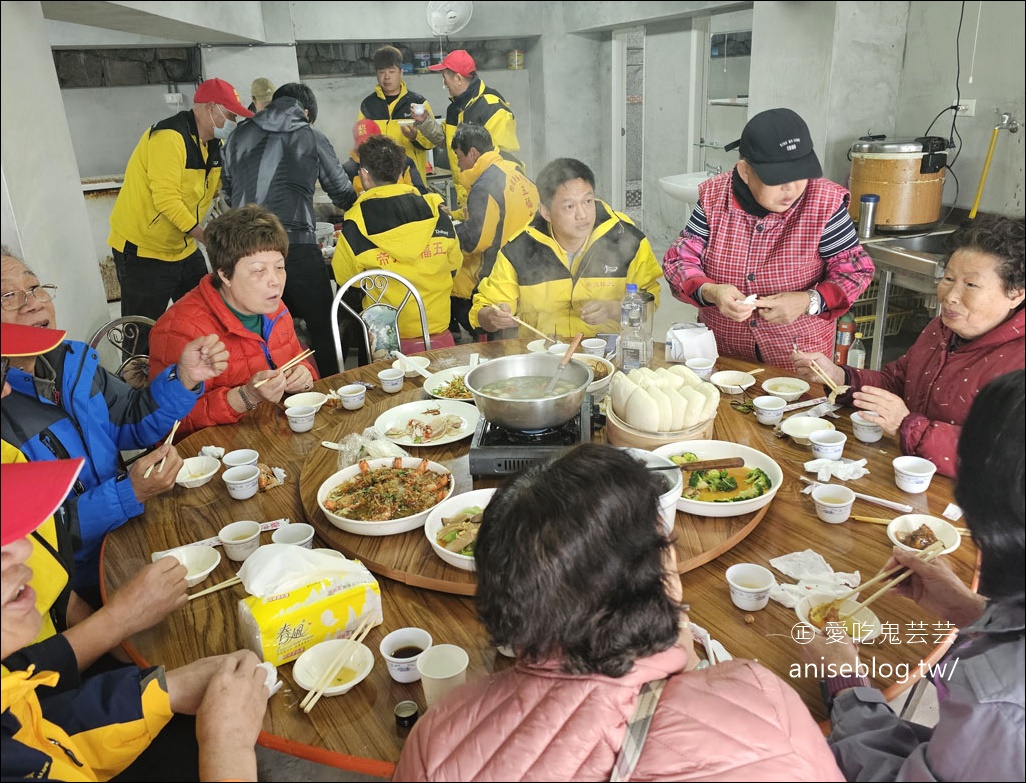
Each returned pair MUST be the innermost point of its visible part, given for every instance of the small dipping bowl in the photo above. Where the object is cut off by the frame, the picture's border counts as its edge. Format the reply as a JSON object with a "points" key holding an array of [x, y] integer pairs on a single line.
{"points": [[311, 665], [391, 380], [240, 539], [197, 471], [199, 561], [701, 367], [750, 586], [353, 396], [234, 459], [828, 444], [413, 362], [559, 349], [401, 649], [833, 503], [865, 427], [301, 417], [298, 533], [913, 474], [768, 409]]}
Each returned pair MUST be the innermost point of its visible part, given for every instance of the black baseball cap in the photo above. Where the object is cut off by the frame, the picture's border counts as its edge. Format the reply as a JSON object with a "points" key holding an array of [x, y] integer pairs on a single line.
{"points": [[778, 145]]}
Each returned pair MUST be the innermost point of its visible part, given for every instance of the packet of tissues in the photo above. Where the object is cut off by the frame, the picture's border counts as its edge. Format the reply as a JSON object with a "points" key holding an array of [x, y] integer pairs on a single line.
{"points": [[845, 470], [814, 575], [690, 341]]}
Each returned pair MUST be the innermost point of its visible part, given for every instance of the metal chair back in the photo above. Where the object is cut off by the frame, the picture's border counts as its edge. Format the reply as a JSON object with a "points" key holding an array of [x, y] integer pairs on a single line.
{"points": [[129, 337]]}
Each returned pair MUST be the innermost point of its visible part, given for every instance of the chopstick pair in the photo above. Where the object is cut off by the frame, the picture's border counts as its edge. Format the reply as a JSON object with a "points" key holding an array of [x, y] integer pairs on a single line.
{"points": [[962, 531], [160, 465], [930, 553], [824, 377], [528, 326], [287, 366], [219, 586], [345, 653]]}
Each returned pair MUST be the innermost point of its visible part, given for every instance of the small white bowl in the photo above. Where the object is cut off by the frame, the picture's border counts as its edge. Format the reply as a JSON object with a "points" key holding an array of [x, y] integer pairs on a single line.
{"points": [[864, 623], [419, 361], [353, 396], [538, 346], [732, 381], [559, 349], [197, 471], [597, 364], [787, 389], [450, 507], [198, 560], [799, 428], [314, 399], [943, 530], [310, 666]]}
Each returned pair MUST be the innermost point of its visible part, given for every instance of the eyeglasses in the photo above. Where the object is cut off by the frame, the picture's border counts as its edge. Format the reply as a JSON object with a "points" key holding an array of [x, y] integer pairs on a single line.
{"points": [[15, 300]]}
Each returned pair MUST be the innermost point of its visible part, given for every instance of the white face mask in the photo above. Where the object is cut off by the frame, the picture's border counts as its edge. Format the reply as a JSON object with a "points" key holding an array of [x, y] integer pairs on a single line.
{"points": [[225, 130]]}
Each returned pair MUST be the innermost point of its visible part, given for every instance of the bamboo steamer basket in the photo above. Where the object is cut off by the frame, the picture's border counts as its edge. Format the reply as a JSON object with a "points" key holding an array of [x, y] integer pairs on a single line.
{"points": [[620, 433], [910, 200]]}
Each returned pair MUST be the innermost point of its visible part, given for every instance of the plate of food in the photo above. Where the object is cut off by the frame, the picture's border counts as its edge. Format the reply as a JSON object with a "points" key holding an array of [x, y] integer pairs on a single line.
{"points": [[381, 497], [448, 384], [451, 527], [428, 423]]}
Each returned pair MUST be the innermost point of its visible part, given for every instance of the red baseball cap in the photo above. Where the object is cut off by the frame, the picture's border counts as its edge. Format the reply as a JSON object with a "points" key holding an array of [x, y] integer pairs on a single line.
{"points": [[220, 92], [364, 129], [18, 340], [458, 61], [32, 492]]}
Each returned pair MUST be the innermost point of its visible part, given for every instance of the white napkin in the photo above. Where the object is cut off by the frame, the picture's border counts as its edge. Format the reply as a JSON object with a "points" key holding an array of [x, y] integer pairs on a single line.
{"points": [[845, 470], [690, 341], [279, 568], [212, 451], [814, 575], [273, 683]]}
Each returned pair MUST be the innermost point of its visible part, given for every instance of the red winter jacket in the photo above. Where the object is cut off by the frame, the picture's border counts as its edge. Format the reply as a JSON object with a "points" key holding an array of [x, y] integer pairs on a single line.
{"points": [[202, 311], [939, 385]]}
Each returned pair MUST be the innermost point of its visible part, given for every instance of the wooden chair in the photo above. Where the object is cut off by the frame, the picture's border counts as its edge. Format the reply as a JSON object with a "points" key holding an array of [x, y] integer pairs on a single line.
{"points": [[380, 320], [129, 359]]}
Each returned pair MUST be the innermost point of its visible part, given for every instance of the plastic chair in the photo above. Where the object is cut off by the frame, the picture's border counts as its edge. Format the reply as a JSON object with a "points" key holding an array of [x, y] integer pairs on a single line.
{"points": [[380, 320], [130, 336]]}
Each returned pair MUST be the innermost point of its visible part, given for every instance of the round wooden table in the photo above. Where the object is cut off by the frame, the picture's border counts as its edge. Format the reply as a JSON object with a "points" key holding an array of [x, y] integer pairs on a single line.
{"points": [[357, 731]]}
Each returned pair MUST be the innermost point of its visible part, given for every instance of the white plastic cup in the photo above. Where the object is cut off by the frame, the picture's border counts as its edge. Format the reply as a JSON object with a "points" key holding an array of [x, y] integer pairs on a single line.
{"points": [[240, 539], [701, 367], [913, 474], [353, 396], [239, 457], [242, 481], [403, 667], [391, 380], [865, 427], [442, 668], [301, 417], [594, 346], [768, 409], [828, 444], [833, 503], [750, 586], [298, 533]]}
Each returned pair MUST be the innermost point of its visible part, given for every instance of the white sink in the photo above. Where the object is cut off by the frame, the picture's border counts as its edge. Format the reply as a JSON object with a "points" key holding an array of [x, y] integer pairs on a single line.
{"points": [[684, 187]]}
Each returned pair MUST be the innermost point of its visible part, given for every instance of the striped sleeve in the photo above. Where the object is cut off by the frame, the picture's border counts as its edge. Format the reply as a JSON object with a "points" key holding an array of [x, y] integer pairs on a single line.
{"points": [[698, 224], [839, 234]]}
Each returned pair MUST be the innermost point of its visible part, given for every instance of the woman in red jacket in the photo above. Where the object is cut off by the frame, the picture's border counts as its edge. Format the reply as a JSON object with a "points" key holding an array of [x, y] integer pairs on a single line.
{"points": [[240, 301]]}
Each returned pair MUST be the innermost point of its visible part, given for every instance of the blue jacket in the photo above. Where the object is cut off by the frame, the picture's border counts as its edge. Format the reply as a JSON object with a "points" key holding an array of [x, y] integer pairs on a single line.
{"points": [[94, 415]]}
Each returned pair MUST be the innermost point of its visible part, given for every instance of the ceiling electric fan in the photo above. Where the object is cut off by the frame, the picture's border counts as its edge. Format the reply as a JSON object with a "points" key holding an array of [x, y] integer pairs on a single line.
{"points": [[446, 17]]}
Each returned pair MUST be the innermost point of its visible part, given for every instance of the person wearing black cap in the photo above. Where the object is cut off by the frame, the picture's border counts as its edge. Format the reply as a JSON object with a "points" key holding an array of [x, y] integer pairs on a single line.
{"points": [[769, 254]]}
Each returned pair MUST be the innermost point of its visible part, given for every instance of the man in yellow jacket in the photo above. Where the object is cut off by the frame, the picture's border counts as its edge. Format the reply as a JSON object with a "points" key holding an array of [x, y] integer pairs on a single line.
{"points": [[567, 271], [173, 175], [393, 227], [501, 200]]}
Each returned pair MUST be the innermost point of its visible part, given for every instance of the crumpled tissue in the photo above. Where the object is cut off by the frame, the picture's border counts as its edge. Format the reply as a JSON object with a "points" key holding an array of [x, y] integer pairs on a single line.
{"points": [[273, 683], [212, 451], [845, 470], [814, 575]]}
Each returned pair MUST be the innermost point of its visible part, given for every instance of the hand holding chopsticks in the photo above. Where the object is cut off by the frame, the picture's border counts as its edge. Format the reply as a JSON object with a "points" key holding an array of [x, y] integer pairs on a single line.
{"points": [[827, 380], [160, 465], [528, 326], [219, 586], [287, 366], [930, 553], [345, 653]]}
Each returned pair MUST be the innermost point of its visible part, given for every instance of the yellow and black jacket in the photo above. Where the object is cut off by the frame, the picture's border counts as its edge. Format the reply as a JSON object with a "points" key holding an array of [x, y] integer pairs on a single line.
{"points": [[387, 113], [170, 181], [534, 277], [394, 227], [481, 105], [501, 200]]}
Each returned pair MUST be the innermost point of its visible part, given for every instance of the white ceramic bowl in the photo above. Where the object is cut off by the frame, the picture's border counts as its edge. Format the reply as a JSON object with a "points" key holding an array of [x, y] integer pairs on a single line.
{"points": [[450, 507], [596, 364], [732, 381], [418, 361], [310, 666], [913, 474], [538, 346], [865, 624], [239, 457], [198, 560], [720, 449], [674, 479], [906, 523], [787, 389], [800, 427], [386, 527], [197, 471], [314, 399]]}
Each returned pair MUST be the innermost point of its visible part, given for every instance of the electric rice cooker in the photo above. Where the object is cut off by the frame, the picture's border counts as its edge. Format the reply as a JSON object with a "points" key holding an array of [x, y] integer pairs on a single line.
{"points": [[907, 175]]}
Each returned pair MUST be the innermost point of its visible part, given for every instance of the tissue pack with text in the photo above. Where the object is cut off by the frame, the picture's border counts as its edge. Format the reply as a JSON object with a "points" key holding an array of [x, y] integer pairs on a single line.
{"points": [[690, 341], [287, 613]]}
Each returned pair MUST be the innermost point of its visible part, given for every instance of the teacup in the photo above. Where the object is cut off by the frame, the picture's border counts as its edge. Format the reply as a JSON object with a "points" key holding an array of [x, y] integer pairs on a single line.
{"points": [[240, 539], [913, 474], [833, 503], [391, 380], [865, 427], [242, 481], [701, 367], [353, 396], [298, 533], [768, 409], [239, 457], [401, 649], [828, 444], [595, 346], [301, 418], [750, 586]]}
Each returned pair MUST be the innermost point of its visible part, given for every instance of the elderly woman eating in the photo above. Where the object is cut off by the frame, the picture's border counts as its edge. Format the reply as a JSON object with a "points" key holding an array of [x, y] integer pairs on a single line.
{"points": [[240, 301], [923, 398]]}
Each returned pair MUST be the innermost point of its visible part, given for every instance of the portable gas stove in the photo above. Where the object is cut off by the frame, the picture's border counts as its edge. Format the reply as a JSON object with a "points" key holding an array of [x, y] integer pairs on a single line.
{"points": [[497, 451]]}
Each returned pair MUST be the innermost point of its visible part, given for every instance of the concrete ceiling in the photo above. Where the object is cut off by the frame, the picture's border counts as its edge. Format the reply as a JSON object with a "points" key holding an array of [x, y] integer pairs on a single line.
{"points": [[139, 21]]}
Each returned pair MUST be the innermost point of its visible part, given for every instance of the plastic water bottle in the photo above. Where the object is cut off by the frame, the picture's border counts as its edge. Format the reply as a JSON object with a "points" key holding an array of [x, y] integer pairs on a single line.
{"points": [[635, 336], [857, 352]]}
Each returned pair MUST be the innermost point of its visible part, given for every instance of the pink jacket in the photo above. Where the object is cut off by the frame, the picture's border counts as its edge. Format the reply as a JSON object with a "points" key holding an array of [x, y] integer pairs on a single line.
{"points": [[734, 721], [939, 385]]}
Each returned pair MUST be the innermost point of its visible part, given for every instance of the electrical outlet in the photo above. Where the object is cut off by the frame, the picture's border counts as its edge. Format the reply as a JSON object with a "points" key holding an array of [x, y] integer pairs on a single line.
{"points": [[173, 98], [967, 108]]}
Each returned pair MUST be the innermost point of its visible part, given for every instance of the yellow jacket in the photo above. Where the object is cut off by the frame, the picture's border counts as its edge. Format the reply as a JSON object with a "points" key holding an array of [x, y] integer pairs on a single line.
{"points": [[170, 181], [394, 227], [388, 113], [534, 277], [501, 200]]}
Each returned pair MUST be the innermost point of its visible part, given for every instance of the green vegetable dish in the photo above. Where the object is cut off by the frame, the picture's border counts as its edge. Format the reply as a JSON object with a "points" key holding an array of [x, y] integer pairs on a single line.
{"points": [[727, 485], [459, 532]]}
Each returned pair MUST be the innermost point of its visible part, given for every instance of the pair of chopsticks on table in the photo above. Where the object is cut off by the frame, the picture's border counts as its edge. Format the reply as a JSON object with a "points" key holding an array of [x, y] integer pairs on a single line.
{"points": [[219, 586], [962, 531], [160, 465], [287, 366], [930, 553], [345, 654]]}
